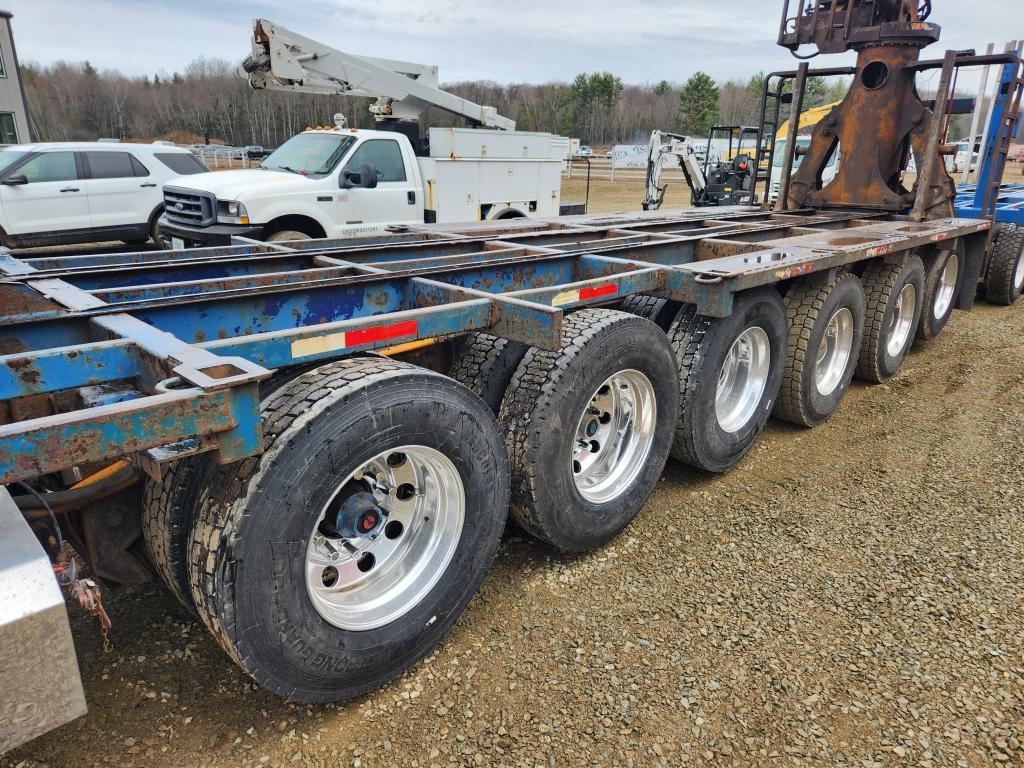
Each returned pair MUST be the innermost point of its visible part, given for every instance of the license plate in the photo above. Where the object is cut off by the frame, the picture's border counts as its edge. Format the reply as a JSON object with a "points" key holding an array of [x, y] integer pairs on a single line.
{"points": [[177, 242]]}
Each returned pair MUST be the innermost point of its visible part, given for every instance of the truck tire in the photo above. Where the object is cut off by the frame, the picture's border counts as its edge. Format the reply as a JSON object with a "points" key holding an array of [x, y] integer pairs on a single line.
{"points": [[284, 235], [169, 506], [485, 364], [588, 428], [659, 311], [168, 512], [941, 289], [826, 328], [343, 554], [1004, 280], [155, 233], [893, 294], [730, 369]]}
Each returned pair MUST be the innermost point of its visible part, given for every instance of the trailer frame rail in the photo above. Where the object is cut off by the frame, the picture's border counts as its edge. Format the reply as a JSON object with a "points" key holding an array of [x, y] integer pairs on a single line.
{"points": [[162, 353]]}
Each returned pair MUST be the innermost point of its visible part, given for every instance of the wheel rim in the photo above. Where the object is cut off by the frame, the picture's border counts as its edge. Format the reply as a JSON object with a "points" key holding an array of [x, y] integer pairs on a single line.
{"points": [[901, 321], [1018, 275], [614, 436], [834, 352], [742, 380], [947, 287], [363, 582]]}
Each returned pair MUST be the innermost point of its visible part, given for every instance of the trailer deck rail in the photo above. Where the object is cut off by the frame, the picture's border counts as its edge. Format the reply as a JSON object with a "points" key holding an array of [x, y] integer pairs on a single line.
{"points": [[170, 346]]}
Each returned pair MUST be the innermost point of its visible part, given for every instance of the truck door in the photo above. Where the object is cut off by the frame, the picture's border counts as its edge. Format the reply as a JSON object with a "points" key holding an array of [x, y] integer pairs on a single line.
{"points": [[395, 199], [49, 198]]}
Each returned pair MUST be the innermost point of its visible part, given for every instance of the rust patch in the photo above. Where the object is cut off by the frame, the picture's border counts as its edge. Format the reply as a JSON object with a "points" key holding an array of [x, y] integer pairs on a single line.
{"points": [[26, 372], [17, 299], [841, 241], [12, 346]]}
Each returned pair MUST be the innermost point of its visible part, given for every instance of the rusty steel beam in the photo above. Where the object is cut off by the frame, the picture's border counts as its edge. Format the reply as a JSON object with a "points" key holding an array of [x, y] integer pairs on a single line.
{"points": [[799, 86], [931, 192]]}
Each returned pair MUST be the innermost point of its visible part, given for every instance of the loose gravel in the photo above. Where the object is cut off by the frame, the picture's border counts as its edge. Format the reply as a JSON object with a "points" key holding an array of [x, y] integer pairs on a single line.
{"points": [[848, 596]]}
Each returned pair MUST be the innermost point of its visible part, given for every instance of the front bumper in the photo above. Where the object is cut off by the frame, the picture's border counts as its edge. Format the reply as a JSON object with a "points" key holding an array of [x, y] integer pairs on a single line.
{"points": [[215, 234], [40, 688]]}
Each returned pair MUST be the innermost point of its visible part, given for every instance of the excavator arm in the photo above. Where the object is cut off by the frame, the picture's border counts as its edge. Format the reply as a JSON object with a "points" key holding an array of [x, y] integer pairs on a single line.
{"points": [[662, 145], [283, 60]]}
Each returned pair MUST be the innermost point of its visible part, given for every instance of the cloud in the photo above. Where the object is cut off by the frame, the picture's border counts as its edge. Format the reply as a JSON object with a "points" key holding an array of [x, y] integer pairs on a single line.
{"points": [[524, 41]]}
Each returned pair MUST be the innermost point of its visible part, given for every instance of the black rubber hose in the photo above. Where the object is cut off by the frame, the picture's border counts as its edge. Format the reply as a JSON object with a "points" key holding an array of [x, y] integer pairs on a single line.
{"points": [[48, 513], [34, 506]]}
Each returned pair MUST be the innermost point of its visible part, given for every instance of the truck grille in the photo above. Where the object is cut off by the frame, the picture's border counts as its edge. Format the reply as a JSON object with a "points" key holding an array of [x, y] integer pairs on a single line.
{"points": [[187, 206]]}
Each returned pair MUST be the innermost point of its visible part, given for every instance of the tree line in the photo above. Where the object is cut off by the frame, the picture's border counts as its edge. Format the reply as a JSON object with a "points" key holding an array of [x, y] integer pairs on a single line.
{"points": [[212, 99]]}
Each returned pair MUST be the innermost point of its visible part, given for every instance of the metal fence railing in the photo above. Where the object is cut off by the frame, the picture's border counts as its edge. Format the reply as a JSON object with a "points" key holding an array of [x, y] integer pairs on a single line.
{"points": [[220, 156]]}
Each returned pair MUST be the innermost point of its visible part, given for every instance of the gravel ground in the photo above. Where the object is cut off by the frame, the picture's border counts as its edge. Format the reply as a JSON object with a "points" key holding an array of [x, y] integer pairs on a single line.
{"points": [[850, 595]]}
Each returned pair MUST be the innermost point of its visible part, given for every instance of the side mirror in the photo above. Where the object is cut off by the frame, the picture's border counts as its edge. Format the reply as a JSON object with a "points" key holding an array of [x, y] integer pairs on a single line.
{"points": [[369, 174], [16, 180], [365, 177]]}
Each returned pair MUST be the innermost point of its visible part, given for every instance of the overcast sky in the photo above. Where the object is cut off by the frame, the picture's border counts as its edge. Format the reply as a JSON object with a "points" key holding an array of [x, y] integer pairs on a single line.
{"points": [[641, 41]]}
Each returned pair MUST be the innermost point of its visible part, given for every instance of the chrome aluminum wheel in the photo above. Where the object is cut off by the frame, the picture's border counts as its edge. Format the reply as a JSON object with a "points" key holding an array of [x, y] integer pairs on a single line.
{"points": [[614, 436], [1018, 275], [363, 582], [742, 380], [834, 352], [947, 287], [899, 330]]}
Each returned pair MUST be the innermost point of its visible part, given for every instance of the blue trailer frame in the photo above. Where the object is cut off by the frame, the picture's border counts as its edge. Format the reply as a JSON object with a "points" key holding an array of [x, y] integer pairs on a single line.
{"points": [[160, 354], [975, 200]]}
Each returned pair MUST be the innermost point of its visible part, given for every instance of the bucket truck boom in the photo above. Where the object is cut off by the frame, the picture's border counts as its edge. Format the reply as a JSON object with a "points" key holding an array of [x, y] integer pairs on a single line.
{"points": [[283, 60]]}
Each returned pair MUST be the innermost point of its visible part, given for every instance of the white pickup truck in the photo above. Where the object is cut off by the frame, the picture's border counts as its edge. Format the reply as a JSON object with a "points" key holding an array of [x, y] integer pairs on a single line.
{"points": [[334, 182]]}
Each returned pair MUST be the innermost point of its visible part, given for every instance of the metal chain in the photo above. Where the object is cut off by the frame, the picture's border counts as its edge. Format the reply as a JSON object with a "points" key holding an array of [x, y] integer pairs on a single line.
{"points": [[86, 593]]}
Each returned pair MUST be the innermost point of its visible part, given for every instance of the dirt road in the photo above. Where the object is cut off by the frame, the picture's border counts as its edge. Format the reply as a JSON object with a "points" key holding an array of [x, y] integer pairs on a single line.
{"points": [[851, 595]]}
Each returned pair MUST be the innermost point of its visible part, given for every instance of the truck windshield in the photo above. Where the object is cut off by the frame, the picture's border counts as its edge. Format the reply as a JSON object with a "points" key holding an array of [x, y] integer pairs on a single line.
{"points": [[780, 152], [310, 154]]}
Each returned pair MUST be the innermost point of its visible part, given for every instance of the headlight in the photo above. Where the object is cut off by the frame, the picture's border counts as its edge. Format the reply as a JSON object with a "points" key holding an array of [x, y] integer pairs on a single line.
{"points": [[231, 212]]}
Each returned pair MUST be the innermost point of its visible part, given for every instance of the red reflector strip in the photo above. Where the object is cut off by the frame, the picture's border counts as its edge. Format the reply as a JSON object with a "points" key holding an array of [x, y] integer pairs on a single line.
{"points": [[593, 292], [377, 333]]}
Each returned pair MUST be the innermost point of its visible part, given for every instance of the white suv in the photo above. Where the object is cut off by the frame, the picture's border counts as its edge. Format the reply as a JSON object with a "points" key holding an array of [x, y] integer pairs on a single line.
{"points": [[56, 194]]}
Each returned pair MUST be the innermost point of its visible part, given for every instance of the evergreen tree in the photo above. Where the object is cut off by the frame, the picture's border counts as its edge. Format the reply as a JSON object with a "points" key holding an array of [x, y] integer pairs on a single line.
{"points": [[698, 104], [593, 98]]}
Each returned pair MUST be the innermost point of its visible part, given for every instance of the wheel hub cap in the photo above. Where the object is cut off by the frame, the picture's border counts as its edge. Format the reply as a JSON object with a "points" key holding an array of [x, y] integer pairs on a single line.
{"points": [[614, 437], [901, 321], [834, 352], [742, 379], [385, 538]]}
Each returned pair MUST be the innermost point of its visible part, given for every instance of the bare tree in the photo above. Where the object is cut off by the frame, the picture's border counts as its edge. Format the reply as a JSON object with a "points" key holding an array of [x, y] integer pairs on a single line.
{"points": [[72, 101]]}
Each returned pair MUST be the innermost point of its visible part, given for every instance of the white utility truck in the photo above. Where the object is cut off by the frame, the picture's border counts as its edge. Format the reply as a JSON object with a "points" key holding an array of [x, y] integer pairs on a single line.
{"points": [[338, 181]]}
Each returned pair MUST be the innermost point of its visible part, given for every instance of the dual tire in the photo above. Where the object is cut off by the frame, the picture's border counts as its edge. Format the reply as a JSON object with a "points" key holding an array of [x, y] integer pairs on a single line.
{"points": [[729, 375], [894, 292], [826, 329], [1004, 279], [943, 277], [169, 506], [588, 427], [314, 611]]}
